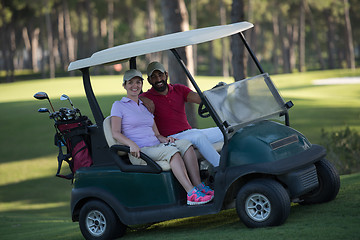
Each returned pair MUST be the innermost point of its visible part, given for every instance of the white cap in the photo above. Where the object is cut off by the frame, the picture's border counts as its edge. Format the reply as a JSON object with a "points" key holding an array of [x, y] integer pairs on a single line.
{"points": [[154, 66], [130, 74]]}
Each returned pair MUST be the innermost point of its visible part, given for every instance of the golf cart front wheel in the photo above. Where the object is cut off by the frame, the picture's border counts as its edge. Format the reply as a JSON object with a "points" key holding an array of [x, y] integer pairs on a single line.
{"points": [[329, 184], [263, 203], [98, 221]]}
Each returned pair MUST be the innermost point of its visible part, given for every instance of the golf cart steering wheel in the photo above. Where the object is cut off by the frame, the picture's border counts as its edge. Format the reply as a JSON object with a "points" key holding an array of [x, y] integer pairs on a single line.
{"points": [[203, 111]]}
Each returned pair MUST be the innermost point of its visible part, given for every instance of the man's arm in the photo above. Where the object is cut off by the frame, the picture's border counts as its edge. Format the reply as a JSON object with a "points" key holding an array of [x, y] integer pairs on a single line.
{"points": [[148, 103], [193, 97]]}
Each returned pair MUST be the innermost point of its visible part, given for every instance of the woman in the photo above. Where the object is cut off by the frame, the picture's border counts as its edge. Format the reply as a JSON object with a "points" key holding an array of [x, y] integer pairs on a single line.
{"points": [[133, 125]]}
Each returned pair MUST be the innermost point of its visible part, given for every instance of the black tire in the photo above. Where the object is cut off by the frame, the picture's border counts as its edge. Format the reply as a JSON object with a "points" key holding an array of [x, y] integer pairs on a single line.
{"points": [[98, 221], [263, 203], [329, 184]]}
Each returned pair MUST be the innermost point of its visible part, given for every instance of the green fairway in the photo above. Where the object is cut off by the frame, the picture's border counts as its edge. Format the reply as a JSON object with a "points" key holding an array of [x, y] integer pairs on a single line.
{"points": [[35, 205]]}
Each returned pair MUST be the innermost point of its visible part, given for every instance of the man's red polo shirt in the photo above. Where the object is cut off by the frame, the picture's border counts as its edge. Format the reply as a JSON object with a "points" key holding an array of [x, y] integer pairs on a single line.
{"points": [[170, 116]]}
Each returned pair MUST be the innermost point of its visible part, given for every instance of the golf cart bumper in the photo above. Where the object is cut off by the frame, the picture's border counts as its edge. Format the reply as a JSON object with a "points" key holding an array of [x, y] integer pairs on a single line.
{"points": [[297, 172]]}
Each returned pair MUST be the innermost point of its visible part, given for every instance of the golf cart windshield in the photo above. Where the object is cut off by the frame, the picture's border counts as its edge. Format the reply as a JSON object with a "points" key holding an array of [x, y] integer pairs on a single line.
{"points": [[243, 102]]}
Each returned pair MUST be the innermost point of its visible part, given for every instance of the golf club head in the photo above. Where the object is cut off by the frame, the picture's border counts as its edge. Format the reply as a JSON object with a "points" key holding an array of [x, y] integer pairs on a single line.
{"points": [[42, 110], [41, 95], [64, 97]]}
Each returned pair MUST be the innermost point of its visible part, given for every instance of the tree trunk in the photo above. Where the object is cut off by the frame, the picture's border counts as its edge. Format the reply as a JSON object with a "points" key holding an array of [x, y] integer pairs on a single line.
{"points": [[177, 20], [110, 29], [68, 33], [330, 38], [350, 57], [130, 19], [224, 49], [91, 48], [237, 48], [212, 60], [34, 49], [285, 45], [293, 34], [80, 34], [302, 66], [62, 41], [275, 56], [8, 48], [151, 29], [315, 38], [50, 45], [26, 38], [194, 26], [110, 26]]}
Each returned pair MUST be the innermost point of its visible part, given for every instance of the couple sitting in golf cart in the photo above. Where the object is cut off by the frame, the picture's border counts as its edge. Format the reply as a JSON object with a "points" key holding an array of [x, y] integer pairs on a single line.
{"points": [[133, 125]]}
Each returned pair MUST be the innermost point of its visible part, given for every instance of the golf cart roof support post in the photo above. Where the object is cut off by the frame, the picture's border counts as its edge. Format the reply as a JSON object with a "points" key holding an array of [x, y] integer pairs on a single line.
{"points": [[251, 53], [133, 63], [206, 103], [94, 105]]}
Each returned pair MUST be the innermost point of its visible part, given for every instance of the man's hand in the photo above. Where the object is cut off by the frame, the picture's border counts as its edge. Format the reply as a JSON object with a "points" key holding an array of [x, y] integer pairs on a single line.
{"points": [[148, 103]]}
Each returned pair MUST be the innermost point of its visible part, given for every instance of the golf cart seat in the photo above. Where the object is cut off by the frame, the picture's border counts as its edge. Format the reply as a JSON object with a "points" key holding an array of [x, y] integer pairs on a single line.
{"points": [[165, 166]]}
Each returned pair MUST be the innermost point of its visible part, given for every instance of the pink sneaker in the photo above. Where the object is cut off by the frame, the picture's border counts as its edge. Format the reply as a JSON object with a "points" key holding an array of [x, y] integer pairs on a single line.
{"points": [[196, 197], [205, 189]]}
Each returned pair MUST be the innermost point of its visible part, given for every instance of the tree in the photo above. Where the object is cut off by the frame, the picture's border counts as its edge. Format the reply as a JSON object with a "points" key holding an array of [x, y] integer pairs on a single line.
{"points": [[350, 58], [237, 49], [224, 49], [81, 27], [151, 30], [177, 20], [315, 37], [302, 36], [50, 43]]}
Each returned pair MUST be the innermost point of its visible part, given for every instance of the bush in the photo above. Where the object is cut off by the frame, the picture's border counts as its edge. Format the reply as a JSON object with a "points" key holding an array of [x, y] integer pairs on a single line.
{"points": [[343, 149]]}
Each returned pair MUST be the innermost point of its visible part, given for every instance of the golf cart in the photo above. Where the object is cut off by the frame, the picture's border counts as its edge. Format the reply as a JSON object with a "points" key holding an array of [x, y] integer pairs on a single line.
{"points": [[265, 165]]}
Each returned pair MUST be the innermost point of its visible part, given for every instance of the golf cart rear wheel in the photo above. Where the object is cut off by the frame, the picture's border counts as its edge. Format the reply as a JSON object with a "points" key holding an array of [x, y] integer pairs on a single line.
{"points": [[98, 221], [263, 203], [329, 184]]}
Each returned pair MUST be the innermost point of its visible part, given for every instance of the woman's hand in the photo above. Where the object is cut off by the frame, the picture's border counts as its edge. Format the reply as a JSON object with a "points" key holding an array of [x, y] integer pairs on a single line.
{"points": [[135, 150]]}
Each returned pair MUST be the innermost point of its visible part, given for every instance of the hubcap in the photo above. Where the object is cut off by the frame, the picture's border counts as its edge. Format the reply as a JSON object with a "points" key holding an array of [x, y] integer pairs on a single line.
{"points": [[96, 223], [258, 207]]}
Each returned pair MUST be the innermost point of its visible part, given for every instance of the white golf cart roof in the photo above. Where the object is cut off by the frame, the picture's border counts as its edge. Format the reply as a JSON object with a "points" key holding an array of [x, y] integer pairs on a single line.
{"points": [[175, 40]]}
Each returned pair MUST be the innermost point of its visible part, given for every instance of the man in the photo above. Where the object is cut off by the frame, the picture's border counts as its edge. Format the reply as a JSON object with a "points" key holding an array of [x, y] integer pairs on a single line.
{"points": [[167, 103]]}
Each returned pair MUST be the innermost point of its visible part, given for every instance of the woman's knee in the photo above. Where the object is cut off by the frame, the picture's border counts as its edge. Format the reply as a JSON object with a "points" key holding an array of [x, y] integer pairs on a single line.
{"points": [[190, 151], [175, 157]]}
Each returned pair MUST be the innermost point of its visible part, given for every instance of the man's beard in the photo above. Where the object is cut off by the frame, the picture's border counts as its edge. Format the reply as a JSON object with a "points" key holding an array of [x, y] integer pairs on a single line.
{"points": [[161, 88]]}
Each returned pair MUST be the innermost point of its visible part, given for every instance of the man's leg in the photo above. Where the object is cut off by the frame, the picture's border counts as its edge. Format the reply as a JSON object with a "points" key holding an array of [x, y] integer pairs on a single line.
{"points": [[202, 143], [213, 134]]}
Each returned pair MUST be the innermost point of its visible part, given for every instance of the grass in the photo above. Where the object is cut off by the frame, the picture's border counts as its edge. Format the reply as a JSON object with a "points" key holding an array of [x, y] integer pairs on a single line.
{"points": [[35, 205]]}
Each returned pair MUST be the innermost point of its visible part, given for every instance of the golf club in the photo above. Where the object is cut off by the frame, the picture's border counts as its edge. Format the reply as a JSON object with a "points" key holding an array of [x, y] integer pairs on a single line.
{"points": [[66, 97], [43, 95]]}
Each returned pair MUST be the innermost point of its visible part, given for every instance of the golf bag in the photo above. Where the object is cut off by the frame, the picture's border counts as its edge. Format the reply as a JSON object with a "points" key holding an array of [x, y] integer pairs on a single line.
{"points": [[73, 134]]}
